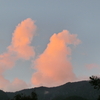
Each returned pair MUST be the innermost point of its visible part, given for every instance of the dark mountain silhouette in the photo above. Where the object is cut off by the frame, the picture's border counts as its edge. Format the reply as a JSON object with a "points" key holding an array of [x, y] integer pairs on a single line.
{"points": [[82, 89], [3, 95]]}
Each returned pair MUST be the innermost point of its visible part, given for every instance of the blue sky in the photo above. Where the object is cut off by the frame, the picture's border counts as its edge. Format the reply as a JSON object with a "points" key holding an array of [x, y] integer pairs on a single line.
{"points": [[81, 17]]}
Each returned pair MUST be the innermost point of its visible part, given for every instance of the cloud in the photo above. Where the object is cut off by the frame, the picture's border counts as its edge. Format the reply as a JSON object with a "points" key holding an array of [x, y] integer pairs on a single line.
{"points": [[92, 66], [20, 45], [22, 38], [3, 82], [53, 66], [19, 49], [6, 62], [16, 85]]}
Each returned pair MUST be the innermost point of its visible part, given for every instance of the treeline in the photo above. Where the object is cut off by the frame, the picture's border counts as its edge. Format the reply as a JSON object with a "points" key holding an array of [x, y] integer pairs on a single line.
{"points": [[22, 96]]}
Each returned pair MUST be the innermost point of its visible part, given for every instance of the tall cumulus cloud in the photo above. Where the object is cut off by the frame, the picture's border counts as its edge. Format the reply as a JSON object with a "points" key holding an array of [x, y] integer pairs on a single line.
{"points": [[53, 66], [20, 48]]}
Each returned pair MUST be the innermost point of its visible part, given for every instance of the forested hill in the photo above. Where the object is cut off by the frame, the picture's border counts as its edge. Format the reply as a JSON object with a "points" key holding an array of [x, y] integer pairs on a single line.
{"points": [[3, 95], [81, 89]]}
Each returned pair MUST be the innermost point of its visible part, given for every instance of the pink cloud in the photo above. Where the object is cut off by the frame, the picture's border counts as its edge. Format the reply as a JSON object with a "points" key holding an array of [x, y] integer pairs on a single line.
{"points": [[16, 85], [53, 66], [3, 82], [92, 66], [22, 38], [20, 48]]}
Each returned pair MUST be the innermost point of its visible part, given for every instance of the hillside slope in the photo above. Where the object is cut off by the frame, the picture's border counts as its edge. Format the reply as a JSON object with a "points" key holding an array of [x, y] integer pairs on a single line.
{"points": [[82, 89], [3, 95]]}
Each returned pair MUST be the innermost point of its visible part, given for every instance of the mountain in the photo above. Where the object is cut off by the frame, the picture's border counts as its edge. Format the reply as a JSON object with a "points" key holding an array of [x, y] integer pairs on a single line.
{"points": [[3, 95], [81, 89]]}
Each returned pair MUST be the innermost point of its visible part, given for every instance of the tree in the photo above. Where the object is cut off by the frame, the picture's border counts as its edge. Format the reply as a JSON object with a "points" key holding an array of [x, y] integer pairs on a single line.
{"points": [[24, 97], [34, 96], [95, 81], [18, 97]]}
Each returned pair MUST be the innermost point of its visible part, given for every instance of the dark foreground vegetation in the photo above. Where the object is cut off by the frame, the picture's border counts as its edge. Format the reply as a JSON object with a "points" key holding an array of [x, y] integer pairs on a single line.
{"points": [[95, 81], [22, 96], [34, 97]]}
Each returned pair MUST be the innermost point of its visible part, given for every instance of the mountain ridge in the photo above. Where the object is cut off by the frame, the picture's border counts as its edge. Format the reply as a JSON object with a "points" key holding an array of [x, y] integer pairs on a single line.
{"points": [[81, 88]]}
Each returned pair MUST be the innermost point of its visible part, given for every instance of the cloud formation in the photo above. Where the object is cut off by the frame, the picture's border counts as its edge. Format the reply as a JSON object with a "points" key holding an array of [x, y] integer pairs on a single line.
{"points": [[19, 49], [92, 66], [16, 85], [3, 82], [53, 66], [22, 38]]}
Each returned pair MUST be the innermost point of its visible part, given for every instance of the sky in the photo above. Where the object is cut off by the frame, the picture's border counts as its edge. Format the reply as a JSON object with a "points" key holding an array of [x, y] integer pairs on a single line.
{"points": [[48, 42]]}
